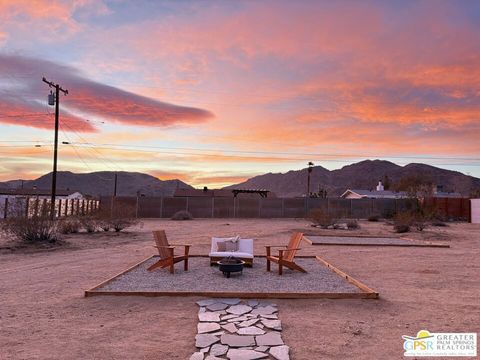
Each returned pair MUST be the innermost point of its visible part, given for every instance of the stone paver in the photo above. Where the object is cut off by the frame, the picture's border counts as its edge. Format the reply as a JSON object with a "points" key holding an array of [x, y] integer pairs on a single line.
{"points": [[206, 327], [209, 317], [251, 330], [237, 340], [239, 330], [204, 340], [240, 354], [269, 339], [218, 350], [280, 352], [239, 309]]}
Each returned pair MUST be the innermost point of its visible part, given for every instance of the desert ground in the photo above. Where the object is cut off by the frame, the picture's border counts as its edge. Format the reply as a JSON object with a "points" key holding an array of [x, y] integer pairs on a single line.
{"points": [[44, 314]]}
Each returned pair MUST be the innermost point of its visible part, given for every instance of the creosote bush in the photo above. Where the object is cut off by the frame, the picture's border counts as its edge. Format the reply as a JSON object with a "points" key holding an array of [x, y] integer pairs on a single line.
{"points": [[182, 215], [36, 229], [353, 224], [121, 217], [69, 226], [321, 218], [402, 222]]}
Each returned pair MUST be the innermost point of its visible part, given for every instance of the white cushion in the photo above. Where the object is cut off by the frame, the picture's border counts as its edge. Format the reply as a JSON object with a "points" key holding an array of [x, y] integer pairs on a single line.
{"points": [[245, 248]]}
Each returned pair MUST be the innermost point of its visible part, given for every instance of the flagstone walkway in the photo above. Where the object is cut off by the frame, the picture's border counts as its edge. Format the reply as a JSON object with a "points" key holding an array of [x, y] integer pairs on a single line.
{"points": [[239, 330]]}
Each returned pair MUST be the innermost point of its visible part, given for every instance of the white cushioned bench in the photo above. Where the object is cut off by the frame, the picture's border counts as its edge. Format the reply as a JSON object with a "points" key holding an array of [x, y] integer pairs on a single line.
{"points": [[244, 252]]}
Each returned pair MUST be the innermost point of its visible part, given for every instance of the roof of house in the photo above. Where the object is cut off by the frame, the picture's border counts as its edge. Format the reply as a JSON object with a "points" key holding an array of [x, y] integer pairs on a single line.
{"points": [[376, 194], [35, 192]]}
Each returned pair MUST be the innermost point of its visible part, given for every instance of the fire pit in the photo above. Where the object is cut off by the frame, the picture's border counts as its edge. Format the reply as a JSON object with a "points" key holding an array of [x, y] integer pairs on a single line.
{"points": [[229, 265]]}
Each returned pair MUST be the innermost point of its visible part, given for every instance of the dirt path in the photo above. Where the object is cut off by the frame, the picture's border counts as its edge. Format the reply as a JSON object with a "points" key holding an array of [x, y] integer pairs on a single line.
{"points": [[43, 313]]}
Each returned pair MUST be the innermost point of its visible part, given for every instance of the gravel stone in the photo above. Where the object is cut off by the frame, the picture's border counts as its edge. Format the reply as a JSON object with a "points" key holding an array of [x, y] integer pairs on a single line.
{"points": [[202, 277]]}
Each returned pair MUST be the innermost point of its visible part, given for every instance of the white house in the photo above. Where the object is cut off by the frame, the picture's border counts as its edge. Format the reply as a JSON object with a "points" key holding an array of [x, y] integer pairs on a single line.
{"points": [[378, 193]]}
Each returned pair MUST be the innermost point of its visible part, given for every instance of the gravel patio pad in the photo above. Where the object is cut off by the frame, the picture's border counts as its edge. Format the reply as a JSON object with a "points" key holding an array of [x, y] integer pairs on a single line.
{"points": [[368, 241], [203, 279]]}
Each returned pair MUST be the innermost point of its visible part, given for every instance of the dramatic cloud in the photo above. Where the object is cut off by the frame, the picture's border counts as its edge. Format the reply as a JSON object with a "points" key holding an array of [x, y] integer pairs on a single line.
{"points": [[23, 93]]}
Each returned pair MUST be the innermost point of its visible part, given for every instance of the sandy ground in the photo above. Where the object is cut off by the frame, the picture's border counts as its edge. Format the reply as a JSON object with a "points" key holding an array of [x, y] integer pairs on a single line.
{"points": [[43, 314]]}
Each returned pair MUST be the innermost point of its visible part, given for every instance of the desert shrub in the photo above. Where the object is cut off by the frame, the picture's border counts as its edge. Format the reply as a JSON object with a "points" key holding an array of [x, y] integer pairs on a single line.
{"points": [[353, 224], [182, 215], [403, 221], [69, 226], [89, 222], [419, 221], [36, 229], [321, 218], [121, 217], [374, 218]]}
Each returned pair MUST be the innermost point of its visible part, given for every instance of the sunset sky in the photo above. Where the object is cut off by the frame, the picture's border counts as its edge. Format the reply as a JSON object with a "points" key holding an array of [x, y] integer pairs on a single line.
{"points": [[214, 92]]}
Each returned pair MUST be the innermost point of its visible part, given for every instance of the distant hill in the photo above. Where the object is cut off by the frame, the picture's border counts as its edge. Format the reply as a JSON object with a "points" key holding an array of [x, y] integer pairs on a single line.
{"points": [[102, 183], [362, 175]]}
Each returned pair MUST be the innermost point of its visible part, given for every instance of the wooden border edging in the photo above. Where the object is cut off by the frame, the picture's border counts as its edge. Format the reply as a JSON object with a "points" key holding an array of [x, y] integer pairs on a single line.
{"points": [[414, 243], [372, 293], [366, 292]]}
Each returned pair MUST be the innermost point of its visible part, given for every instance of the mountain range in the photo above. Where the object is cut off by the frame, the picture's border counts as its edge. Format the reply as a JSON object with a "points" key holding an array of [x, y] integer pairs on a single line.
{"points": [[361, 175]]}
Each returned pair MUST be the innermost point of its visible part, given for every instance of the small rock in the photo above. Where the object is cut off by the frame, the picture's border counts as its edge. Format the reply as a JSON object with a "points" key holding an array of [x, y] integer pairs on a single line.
{"points": [[206, 327], [209, 317], [204, 340], [230, 327], [197, 356], [280, 352], [240, 354], [237, 340], [217, 306], [239, 309], [205, 350], [218, 350], [202, 310], [269, 339], [251, 330]]}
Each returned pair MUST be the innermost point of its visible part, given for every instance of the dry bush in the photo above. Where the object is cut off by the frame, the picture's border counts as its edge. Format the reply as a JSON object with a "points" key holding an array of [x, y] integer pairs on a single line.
{"points": [[122, 216], [89, 222], [321, 218], [69, 226], [182, 215], [353, 224], [36, 229], [403, 221]]}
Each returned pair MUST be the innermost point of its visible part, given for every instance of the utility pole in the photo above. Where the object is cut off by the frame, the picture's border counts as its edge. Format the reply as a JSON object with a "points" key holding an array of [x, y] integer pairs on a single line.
{"points": [[115, 186], [55, 149], [310, 167]]}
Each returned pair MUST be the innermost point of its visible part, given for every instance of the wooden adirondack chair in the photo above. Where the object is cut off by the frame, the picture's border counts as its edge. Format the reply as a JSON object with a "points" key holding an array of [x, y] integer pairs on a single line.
{"points": [[286, 256], [166, 253]]}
